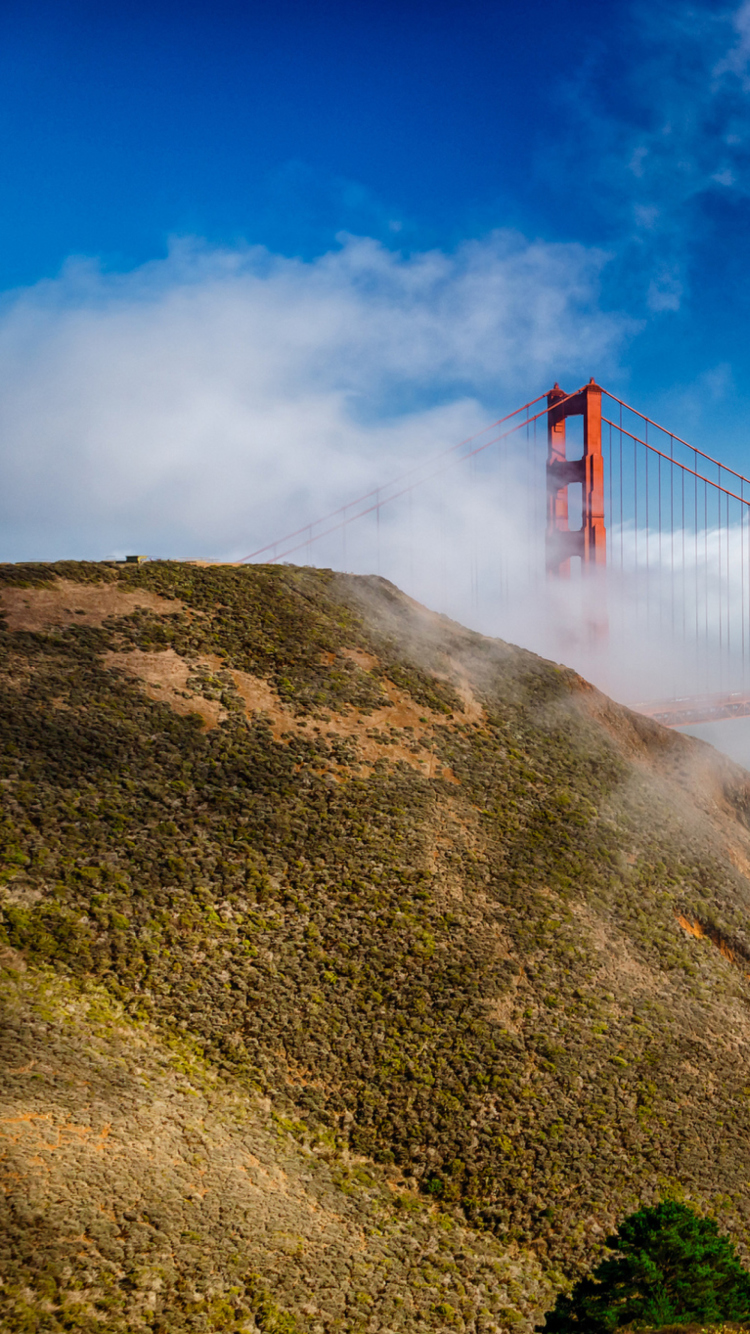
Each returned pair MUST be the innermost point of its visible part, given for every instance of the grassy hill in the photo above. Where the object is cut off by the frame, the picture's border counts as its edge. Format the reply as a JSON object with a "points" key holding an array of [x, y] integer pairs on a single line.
{"points": [[359, 972]]}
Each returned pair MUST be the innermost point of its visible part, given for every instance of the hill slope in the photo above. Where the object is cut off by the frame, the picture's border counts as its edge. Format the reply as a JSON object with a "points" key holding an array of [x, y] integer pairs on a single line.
{"points": [[360, 972]]}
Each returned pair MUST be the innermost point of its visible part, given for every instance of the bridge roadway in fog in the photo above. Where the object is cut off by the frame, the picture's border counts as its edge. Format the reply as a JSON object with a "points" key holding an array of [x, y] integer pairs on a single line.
{"points": [[690, 709]]}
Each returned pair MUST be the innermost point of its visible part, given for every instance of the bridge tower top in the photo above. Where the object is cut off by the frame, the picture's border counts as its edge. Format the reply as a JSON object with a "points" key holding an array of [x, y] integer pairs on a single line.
{"points": [[590, 540]]}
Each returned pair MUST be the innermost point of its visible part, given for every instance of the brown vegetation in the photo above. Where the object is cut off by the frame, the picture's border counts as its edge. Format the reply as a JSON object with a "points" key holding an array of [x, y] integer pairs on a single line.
{"points": [[360, 972]]}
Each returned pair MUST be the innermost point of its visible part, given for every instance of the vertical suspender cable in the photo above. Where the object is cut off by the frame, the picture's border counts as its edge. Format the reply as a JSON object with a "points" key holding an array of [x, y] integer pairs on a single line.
{"points": [[706, 571], [648, 563], [727, 599], [671, 532], [538, 498], [660, 575], [695, 575], [742, 576], [635, 523], [622, 535], [682, 529], [719, 568], [608, 515], [411, 540], [443, 571]]}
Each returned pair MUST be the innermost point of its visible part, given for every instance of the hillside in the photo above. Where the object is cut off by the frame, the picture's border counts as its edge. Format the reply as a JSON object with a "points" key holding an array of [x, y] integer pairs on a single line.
{"points": [[359, 972]]}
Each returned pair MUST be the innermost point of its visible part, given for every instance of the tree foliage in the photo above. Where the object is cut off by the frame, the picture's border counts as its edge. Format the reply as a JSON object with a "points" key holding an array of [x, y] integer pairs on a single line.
{"points": [[667, 1266]]}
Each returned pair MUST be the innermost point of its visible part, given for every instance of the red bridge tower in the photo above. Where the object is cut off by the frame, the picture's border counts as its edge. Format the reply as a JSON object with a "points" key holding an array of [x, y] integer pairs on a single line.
{"points": [[590, 540]]}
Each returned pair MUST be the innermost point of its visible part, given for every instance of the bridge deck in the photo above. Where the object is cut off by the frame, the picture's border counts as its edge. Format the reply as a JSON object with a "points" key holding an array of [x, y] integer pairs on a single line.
{"points": [[696, 709]]}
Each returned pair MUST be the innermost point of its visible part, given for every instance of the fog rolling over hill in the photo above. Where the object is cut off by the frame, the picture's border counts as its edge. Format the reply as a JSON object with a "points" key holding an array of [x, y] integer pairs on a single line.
{"points": [[359, 972]]}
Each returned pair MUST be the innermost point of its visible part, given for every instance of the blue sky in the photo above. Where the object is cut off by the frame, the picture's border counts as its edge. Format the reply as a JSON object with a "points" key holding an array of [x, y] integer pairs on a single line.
{"points": [[285, 123], [220, 220]]}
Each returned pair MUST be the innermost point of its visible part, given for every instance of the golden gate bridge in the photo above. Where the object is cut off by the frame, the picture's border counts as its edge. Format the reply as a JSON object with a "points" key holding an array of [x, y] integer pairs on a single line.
{"points": [[632, 544]]}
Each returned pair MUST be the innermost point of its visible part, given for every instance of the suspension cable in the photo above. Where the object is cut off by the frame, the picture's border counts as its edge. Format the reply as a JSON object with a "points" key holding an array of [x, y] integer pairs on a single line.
{"points": [[450, 463], [359, 500]]}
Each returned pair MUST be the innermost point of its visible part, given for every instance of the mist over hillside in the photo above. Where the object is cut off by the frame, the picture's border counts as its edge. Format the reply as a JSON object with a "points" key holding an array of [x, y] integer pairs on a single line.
{"points": [[359, 971]]}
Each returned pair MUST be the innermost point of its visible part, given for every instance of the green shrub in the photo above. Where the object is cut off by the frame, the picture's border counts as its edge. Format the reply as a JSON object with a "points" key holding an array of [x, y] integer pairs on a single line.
{"points": [[668, 1267]]}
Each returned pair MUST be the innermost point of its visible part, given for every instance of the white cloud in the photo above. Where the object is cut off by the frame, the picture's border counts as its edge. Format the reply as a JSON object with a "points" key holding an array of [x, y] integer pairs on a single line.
{"points": [[665, 291], [207, 402], [661, 127], [687, 93], [216, 400], [737, 58]]}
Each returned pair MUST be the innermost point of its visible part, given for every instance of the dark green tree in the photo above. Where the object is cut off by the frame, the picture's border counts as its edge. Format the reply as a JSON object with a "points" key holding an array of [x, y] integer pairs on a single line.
{"points": [[668, 1266]]}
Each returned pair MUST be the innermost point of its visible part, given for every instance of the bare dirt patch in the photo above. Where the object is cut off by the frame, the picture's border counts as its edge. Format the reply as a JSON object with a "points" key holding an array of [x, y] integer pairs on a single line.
{"points": [[733, 952], [260, 697], [396, 732], [167, 677], [364, 660], [504, 1011], [164, 676], [473, 711], [69, 603]]}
